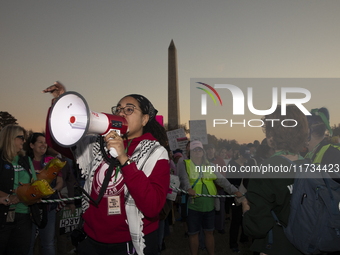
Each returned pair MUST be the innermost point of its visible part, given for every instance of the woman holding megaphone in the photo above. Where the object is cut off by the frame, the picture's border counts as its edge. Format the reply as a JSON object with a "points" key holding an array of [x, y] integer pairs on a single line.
{"points": [[125, 219]]}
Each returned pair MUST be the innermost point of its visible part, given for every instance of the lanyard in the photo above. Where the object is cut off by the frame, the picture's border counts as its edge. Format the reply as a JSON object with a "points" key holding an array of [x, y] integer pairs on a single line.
{"points": [[200, 175], [118, 167], [311, 153]]}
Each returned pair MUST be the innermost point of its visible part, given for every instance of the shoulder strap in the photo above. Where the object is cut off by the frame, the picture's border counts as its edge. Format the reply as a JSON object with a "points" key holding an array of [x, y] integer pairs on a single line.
{"points": [[27, 164], [270, 234], [34, 175], [188, 160], [317, 158], [106, 180], [112, 164]]}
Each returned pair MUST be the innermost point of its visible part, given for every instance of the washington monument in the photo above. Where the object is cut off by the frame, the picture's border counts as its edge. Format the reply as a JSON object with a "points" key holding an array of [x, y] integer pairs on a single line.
{"points": [[173, 97]]}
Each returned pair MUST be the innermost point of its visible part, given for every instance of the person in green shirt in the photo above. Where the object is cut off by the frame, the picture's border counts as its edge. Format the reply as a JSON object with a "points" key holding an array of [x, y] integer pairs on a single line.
{"points": [[15, 220]]}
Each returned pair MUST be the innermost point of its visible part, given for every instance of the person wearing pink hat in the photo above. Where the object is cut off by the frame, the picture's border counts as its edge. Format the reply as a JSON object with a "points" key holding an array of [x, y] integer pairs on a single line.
{"points": [[195, 180]]}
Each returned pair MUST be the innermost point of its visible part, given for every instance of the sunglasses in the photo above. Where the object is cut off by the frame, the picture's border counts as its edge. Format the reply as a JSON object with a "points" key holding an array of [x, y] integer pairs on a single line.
{"points": [[21, 137]]}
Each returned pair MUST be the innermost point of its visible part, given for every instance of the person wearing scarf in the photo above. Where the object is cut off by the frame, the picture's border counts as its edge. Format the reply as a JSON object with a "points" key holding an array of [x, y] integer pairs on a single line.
{"points": [[126, 218]]}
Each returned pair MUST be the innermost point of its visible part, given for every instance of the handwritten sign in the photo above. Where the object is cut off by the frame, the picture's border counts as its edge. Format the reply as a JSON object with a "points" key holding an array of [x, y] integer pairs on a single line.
{"points": [[198, 130], [172, 137]]}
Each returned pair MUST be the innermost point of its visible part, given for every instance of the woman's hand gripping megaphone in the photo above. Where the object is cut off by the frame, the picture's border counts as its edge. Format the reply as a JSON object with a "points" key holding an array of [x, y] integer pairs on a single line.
{"points": [[115, 145]]}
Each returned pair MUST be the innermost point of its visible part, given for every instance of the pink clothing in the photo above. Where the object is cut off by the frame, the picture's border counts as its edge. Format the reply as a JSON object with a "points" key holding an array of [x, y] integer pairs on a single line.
{"points": [[37, 165]]}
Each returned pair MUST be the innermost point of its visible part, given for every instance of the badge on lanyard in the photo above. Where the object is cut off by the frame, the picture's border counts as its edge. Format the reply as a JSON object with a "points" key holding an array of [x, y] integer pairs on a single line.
{"points": [[11, 215], [113, 205]]}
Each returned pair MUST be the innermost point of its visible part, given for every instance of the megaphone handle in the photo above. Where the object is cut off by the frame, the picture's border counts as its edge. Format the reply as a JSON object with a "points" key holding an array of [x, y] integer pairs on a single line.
{"points": [[113, 152]]}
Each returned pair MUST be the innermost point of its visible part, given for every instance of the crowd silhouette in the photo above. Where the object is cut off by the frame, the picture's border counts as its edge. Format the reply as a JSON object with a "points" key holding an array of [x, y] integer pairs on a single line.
{"points": [[202, 209]]}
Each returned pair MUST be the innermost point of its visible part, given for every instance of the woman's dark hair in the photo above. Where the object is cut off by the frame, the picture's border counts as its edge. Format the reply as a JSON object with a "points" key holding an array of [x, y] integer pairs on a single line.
{"points": [[316, 124], [291, 137], [32, 140], [157, 131], [153, 126], [263, 150]]}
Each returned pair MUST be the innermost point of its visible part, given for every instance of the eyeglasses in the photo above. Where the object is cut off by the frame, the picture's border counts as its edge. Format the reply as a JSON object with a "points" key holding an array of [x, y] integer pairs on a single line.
{"points": [[21, 137], [197, 149], [128, 110]]}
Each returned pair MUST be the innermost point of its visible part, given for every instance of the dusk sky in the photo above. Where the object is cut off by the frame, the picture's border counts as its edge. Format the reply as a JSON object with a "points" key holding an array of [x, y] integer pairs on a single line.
{"points": [[105, 50]]}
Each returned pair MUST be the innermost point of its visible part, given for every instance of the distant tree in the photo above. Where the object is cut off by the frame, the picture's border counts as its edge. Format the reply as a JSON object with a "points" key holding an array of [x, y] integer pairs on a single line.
{"points": [[223, 143], [6, 118], [213, 140], [336, 130]]}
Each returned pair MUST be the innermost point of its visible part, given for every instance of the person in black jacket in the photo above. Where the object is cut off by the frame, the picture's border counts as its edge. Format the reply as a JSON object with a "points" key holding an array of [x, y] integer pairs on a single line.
{"points": [[15, 221], [271, 193], [320, 151]]}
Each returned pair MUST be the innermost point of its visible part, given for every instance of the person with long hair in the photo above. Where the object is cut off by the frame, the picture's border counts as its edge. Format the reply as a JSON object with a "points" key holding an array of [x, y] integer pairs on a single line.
{"points": [[126, 217], [15, 168], [36, 150], [272, 193]]}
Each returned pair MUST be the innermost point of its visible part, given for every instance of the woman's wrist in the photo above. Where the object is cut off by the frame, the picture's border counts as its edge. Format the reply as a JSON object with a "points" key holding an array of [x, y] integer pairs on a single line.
{"points": [[127, 162], [123, 159]]}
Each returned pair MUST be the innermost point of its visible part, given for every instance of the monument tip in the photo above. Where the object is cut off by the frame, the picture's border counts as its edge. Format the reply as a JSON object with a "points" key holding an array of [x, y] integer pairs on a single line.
{"points": [[172, 44]]}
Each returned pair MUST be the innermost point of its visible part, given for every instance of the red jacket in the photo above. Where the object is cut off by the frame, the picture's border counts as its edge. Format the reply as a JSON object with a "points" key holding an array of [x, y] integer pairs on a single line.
{"points": [[149, 194]]}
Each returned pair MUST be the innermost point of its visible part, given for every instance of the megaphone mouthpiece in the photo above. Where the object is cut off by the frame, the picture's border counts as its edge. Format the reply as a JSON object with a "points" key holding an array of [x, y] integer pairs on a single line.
{"points": [[78, 121]]}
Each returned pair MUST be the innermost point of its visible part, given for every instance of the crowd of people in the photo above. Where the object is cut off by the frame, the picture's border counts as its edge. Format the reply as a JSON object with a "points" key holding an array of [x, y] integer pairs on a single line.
{"points": [[124, 203]]}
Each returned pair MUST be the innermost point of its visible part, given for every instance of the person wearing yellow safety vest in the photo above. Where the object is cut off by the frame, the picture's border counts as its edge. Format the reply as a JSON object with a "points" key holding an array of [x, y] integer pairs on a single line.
{"points": [[321, 151], [196, 178]]}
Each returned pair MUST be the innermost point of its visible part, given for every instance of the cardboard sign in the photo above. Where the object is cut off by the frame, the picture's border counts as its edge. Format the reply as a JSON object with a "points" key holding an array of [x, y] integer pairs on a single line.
{"points": [[172, 137], [174, 182], [198, 131], [69, 221]]}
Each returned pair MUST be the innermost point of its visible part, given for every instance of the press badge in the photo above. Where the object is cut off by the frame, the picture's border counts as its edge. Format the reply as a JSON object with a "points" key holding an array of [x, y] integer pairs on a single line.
{"points": [[10, 215], [113, 205]]}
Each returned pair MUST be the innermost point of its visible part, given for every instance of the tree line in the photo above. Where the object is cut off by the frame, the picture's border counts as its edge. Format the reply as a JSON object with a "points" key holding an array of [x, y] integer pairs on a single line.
{"points": [[6, 119]]}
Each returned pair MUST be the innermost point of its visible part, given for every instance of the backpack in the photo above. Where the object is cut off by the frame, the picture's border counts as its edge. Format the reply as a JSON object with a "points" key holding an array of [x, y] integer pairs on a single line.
{"points": [[314, 221]]}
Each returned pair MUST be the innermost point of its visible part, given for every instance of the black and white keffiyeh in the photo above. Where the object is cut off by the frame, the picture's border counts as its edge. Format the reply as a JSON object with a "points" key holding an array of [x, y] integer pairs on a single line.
{"points": [[146, 155]]}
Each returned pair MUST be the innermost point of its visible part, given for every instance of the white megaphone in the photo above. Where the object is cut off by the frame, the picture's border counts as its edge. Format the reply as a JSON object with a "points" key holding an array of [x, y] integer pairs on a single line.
{"points": [[71, 119]]}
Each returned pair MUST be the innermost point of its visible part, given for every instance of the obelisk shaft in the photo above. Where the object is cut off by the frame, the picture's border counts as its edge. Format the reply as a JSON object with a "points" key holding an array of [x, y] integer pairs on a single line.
{"points": [[173, 97]]}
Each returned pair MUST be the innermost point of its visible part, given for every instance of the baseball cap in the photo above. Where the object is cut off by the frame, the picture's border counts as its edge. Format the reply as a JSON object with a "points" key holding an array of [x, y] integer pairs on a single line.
{"points": [[195, 144], [177, 154], [245, 152]]}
